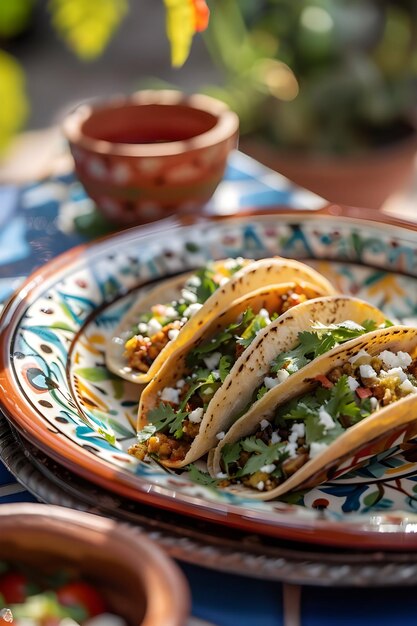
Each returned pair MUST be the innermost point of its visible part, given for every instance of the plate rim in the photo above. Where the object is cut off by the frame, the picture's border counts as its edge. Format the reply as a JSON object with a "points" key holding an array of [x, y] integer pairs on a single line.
{"points": [[312, 529]]}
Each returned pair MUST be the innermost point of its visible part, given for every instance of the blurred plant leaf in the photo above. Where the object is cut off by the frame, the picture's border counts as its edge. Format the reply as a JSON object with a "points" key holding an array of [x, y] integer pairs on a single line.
{"points": [[14, 16], [87, 25], [14, 105], [183, 19]]}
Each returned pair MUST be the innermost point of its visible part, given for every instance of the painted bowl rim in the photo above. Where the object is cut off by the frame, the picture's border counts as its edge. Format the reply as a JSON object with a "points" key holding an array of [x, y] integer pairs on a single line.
{"points": [[226, 126]]}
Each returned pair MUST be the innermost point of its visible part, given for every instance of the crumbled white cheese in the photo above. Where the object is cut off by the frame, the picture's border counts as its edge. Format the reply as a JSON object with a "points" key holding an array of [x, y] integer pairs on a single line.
{"points": [[192, 309], [196, 415], [351, 325], [231, 264], [268, 469], [221, 475], [408, 387], [188, 296], [169, 394], [398, 372], [170, 313], [143, 328], [153, 326], [220, 435], [352, 383], [282, 375], [391, 360], [260, 486], [265, 314], [291, 448], [298, 431], [270, 382], [212, 360], [275, 438], [316, 448], [216, 374], [374, 403], [264, 424], [194, 281], [180, 383], [326, 419], [173, 333], [362, 354], [404, 359], [367, 371]]}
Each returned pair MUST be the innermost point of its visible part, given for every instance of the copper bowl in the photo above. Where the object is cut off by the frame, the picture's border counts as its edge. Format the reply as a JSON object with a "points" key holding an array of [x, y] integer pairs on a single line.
{"points": [[149, 155], [140, 583]]}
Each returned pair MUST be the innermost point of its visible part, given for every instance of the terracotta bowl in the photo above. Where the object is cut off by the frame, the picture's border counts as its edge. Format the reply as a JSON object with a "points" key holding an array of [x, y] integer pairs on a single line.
{"points": [[152, 154], [139, 582]]}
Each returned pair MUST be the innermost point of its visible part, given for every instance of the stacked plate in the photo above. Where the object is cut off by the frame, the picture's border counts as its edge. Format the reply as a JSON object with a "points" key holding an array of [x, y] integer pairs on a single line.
{"points": [[72, 420]]}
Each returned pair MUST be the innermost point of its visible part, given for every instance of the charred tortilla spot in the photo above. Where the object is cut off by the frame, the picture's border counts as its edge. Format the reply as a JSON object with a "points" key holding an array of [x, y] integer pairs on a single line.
{"points": [[228, 384], [242, 365]]}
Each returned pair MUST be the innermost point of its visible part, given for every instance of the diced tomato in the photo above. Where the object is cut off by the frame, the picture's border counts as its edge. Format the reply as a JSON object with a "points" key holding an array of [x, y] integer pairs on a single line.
{"points": [[13, 587], [324, 381], [363, 392], [82, 594]]}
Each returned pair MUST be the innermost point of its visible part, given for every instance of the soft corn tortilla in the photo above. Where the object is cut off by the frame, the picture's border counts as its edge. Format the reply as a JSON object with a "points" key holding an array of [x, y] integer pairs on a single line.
{"points": [[215, 419], [255, 275], [383, 426], [278, 337]]}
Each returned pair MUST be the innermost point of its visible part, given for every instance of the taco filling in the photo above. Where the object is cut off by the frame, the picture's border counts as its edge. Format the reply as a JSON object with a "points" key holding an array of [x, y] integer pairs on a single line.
{"points": [[175, 421], [311, 344], [305, 426], [162, 324]]}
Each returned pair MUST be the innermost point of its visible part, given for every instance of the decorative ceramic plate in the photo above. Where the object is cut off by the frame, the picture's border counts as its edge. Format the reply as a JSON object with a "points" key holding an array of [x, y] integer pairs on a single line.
{"points": [[59, 394], [196, 541]]}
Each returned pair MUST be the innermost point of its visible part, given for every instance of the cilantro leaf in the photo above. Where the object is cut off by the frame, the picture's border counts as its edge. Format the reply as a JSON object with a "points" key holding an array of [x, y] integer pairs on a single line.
{"points": [[199, 477], [261, 454], [165, 417], [248, 335], [261, 392], [315, 431], [225, 365], [220, 340], [230, 454], [342, 400], [320, 340], [207, 285]]}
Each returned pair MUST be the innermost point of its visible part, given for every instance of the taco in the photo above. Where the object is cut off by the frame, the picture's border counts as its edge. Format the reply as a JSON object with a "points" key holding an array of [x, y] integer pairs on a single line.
{"points": [[181, 401], [177, 310], [290, 343], [157, 317], [332, 415]]}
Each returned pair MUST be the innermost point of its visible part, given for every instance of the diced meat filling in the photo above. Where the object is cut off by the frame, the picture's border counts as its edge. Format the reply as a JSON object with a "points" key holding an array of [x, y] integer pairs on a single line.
{"points": [[141, 351]]}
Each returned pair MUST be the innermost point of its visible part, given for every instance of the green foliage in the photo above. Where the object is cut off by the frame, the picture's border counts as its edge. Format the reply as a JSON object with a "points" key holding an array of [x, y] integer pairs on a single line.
{"points": [[86, 26], [327, 76], [14, 16], [14, 105]]}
